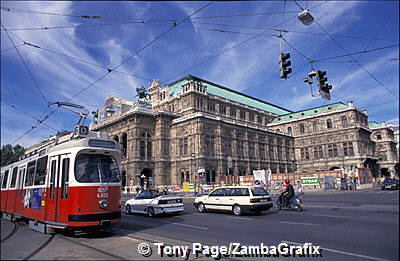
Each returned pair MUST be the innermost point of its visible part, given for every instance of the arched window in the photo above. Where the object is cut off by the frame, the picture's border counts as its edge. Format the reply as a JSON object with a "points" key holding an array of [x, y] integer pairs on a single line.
{"points": [[302, 129], [343, 119], [289, 130], [329, 123]]}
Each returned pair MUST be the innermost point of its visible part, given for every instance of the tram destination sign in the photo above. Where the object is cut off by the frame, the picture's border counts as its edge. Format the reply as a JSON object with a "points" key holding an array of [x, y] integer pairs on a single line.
{"points": [[102, 144]]}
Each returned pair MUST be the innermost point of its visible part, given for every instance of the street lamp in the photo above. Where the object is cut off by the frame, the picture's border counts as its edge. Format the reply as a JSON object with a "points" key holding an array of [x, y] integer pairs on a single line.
{"points": [[305, 17], [191, 170]]}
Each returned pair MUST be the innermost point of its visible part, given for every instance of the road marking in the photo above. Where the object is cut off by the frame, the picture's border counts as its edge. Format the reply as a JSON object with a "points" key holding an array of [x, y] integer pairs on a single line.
{"points": [[298, 223], [185, 225], [340, 252], [332, 216], [244, 218], [296, 213]]}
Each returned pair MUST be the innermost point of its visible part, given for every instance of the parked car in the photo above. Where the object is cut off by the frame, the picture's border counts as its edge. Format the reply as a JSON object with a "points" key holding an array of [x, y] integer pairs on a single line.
{"points": [[390, 184], [152, 203], [238, 199]]}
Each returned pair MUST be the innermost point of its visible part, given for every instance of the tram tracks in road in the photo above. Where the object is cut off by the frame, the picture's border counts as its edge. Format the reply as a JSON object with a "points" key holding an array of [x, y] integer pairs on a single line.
{"points": [[15, 229], [41, 247], [93, 248]]}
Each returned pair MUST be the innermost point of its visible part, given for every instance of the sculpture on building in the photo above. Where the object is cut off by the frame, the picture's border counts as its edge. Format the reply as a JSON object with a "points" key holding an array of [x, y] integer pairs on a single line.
{"points": [[143, 95]]}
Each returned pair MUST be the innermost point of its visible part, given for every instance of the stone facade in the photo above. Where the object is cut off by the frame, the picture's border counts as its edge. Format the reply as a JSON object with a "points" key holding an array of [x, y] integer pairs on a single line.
{"points": [[386, 150], [195, 129], [331, 137], [194, 124]]}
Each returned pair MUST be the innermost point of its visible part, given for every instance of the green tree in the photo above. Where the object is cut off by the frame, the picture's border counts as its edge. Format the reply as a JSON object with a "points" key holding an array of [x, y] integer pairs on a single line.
{"points": [[10, 154]]}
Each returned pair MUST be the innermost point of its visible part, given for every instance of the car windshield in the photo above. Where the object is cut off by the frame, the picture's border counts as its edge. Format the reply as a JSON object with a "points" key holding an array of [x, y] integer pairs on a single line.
{"points": [[259, 191], [91, 168]]}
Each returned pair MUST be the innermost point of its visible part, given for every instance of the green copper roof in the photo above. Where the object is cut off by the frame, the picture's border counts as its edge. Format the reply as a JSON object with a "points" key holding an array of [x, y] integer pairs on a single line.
{"points": [[223, 92], [310, 112], [373, 124]]}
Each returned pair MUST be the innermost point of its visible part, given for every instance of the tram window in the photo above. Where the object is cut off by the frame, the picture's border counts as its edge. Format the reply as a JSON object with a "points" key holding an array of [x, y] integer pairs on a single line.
{"points": [[41, 172], [14, 177], [91, 168], [52, 177], [5, 178], [20, 182], [30, 173], [64, 178]]}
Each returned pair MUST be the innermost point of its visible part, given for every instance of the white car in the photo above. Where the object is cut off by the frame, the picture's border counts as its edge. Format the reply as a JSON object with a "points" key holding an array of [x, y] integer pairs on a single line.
{"points": [[238, 199], [152, 203]]}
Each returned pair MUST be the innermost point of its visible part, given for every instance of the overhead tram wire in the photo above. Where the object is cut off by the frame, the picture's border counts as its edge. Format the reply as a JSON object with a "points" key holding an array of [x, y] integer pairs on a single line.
{"points": [[70, 26], [33, 117], [369, 60], [144, 47], [241, 15], [290, 31], [85, 16], [74, 58], [225, 51], [365, 48], [7, 49], [349, 54], [193, 22], [290, 45], [383, 103], [149, 23], [26, 66], [362, 67], [108, 72]]}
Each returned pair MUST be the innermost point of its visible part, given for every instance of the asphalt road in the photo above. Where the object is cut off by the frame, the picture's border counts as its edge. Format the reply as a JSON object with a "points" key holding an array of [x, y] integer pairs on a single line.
{"points": [[350, 225]]}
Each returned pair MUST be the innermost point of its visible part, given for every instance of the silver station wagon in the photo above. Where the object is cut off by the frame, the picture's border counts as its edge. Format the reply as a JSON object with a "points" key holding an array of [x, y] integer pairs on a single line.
{"points": [[152, 202], [238, 199]]}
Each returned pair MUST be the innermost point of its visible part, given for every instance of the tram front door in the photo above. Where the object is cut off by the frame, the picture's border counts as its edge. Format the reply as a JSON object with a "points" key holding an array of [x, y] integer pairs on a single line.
{"points": [[57, 190]]}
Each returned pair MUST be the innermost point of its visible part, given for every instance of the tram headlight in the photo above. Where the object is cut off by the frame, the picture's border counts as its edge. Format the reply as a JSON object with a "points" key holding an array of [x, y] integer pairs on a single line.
{"points": [[103, 204]]}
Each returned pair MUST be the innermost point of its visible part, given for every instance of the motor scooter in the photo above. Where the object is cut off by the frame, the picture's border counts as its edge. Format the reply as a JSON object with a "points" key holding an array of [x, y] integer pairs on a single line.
{"points": [[294, 203]]}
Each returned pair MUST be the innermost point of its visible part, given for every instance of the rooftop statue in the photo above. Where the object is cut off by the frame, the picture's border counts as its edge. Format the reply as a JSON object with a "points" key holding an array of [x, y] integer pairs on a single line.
{"points": [[142, 95]]}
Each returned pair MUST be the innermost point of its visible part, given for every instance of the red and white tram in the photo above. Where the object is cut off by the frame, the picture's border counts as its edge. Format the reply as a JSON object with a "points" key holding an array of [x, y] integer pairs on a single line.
{"points": [[68, 182]]}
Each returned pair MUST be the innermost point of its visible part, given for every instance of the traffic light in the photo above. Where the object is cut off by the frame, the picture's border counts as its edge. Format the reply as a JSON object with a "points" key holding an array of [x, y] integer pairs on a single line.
{"points": [[310, 76], [324, 88], [321, 78], [284, 63]]}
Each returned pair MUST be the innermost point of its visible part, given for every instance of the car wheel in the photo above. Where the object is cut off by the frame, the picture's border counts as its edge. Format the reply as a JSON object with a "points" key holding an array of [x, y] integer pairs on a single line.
{"points": [[150, 212], [128, 209], [383, 188], [237, 210], [201, 208]]}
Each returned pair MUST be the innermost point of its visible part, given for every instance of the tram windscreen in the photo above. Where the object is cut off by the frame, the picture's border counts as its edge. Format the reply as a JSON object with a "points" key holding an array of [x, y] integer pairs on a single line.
{"points": [[92, 168]]}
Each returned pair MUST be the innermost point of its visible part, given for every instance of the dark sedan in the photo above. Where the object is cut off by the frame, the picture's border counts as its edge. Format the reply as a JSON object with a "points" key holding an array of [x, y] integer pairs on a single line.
{"points": [[390, 184]]}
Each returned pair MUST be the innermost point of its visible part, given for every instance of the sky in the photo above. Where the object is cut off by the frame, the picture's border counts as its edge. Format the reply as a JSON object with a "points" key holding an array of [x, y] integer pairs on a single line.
{"points": [[61, 52]]}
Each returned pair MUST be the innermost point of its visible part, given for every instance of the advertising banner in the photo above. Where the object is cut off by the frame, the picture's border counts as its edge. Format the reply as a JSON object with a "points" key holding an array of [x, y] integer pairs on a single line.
{"points": [[309, 181], [185, 186]]}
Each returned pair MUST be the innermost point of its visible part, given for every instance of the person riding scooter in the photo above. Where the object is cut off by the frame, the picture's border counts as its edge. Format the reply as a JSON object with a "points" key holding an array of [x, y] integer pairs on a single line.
{"points": [[287, 194]]}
